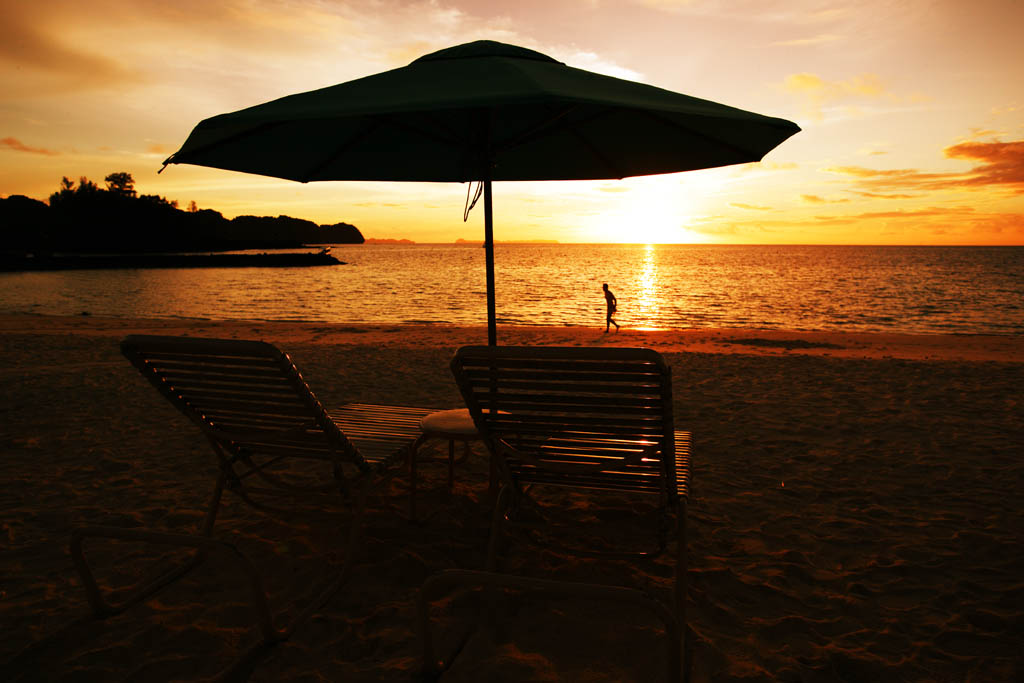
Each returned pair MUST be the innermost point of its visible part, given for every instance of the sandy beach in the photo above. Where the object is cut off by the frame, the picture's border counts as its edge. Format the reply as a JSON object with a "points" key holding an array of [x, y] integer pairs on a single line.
{"points": [[857, 513]]}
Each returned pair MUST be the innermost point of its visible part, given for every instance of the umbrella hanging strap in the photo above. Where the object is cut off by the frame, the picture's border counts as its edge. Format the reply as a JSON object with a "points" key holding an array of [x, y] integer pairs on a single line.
{"points": [[476, 197]]}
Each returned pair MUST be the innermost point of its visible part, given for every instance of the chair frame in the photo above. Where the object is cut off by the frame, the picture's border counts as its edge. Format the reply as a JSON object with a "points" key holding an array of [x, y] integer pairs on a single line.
{"points": [[257, 412], [584, 418]]}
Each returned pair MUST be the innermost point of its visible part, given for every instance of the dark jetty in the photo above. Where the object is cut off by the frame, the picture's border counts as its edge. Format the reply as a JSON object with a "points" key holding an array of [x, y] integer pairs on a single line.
{"points": [[94, 262]]}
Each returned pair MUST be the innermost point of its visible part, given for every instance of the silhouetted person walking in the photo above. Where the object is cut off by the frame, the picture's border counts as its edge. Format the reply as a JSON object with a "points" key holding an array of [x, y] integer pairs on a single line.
{"points": [[612, 306]]}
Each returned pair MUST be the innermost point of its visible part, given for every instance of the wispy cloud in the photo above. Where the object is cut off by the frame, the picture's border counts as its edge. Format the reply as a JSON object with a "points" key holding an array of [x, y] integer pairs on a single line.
{"points": [[817, 199], [751, 207], [865, 85], [669, 5], [762, 167], [51, 64], [813, 41], [18, 146], [817, 93], [591, 61]]}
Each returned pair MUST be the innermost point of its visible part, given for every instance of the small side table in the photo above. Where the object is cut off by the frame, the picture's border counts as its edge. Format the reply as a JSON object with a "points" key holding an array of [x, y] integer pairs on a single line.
{"points": [[453, 425]]}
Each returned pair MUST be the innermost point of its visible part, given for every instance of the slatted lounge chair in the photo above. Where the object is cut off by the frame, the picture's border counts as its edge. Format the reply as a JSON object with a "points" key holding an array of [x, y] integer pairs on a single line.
{"points": [[270, 435], [596, 419]]}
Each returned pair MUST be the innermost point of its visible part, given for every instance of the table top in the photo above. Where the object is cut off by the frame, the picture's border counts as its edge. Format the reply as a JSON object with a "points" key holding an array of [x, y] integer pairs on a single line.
{"points": [[455, 423]]}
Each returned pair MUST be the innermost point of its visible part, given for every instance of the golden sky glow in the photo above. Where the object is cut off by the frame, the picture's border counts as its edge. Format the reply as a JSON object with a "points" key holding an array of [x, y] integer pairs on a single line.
{"points": [[912, 112]]}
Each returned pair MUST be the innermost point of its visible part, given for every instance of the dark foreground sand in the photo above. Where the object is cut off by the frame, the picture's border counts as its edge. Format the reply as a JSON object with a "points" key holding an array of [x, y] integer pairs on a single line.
{"points": [[857, 514]]}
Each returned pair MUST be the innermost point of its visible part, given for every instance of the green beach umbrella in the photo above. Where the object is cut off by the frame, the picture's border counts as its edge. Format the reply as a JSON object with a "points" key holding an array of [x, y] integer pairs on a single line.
{"points": [[482, 111]]}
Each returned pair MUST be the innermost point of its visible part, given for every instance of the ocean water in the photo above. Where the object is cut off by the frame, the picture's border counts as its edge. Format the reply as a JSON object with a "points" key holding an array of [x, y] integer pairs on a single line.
{"points": [[961, 290]]}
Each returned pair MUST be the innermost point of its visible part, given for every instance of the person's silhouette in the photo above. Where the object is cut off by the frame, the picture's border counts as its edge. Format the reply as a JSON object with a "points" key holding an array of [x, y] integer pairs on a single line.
{"points": [[612, 305]]}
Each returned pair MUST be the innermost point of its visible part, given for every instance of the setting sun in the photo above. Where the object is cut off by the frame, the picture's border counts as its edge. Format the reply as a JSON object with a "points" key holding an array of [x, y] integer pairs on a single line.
{"points": [[649, 210]]}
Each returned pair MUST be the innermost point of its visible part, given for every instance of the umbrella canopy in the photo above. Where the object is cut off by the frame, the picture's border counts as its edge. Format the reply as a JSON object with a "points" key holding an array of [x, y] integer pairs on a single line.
{"points": [[482, 111]]}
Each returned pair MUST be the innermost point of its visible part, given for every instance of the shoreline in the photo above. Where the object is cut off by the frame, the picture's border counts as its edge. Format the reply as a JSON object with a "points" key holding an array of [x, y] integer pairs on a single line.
{"points": [[16, 264], [729, 341]]}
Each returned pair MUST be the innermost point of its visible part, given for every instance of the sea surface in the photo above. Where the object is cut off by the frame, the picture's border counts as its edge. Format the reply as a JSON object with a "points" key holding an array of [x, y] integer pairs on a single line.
{"points": [[959, 290]]}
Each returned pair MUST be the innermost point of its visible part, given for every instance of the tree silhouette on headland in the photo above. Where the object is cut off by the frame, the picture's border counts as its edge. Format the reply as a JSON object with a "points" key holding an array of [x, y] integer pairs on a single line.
{"points": [[86, 218]]}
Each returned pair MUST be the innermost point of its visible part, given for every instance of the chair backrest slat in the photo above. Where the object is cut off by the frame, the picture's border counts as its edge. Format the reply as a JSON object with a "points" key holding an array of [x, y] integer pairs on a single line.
{"points": [[234, 373], [598, 418], [189, 360], [246, 396]]}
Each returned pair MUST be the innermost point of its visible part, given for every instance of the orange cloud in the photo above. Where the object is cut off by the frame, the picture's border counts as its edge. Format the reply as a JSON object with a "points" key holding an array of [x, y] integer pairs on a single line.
{"points": [[880, 195], [1002, 166], [751, 207], [1003, 162], [1011, 224], [18, 146], [816, 199], [895, 176], [927, 212]]}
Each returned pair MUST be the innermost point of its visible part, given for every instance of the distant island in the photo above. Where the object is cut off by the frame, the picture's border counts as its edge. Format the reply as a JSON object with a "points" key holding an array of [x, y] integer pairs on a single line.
{"points": [[380, 240], [86, 219]]}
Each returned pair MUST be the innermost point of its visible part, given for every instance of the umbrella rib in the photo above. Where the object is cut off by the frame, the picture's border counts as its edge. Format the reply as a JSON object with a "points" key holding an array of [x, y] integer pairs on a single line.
{"points": [[745, 153], [526, 136], [554, 122], [377, 122], [615, 170], [347, 145], [223, 141], [450, 140]]}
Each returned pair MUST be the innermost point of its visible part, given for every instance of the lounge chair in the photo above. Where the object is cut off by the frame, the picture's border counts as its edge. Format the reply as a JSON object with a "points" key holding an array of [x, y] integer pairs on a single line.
{"points": [[586, 418], [277, 448]]}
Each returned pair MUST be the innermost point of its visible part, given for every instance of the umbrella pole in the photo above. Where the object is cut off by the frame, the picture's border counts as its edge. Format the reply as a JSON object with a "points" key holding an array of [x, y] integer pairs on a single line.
{"points": [[492, 326]]}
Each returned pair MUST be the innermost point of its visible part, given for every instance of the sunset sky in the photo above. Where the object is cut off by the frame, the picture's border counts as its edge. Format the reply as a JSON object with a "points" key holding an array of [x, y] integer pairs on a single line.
{"points": [[912, 111]]}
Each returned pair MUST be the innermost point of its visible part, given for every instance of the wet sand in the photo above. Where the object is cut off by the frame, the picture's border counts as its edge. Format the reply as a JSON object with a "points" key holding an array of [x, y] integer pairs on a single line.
{"points": [[857, 514]]}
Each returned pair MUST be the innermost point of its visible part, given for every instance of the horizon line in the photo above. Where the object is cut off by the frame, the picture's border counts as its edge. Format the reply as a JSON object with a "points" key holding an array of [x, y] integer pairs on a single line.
{"points": [[464, 242]]}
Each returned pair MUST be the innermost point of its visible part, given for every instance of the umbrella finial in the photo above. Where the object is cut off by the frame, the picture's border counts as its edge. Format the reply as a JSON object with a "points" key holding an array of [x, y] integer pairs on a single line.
{"points": [[486, 48]]}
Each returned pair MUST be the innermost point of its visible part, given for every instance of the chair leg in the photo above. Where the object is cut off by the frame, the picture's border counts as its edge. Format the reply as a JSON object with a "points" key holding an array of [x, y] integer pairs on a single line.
{"points": [[202, 545], [680, 589], [679, 594], [441, 583], [362, 493], [101, 607], [413, 452], [497, 519], [492, 483], [451, 465]]}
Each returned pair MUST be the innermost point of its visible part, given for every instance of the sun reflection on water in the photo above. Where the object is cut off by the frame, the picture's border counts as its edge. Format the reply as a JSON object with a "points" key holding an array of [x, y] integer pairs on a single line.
{"points": [[645, 309]]}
